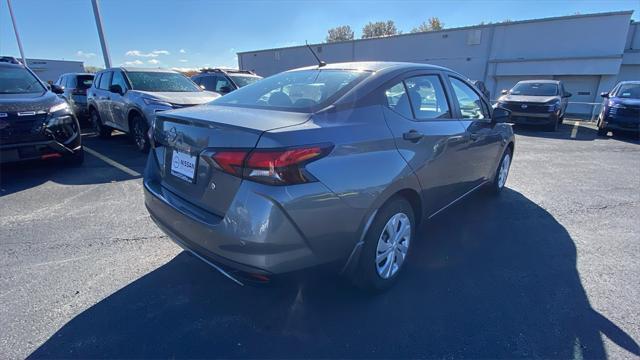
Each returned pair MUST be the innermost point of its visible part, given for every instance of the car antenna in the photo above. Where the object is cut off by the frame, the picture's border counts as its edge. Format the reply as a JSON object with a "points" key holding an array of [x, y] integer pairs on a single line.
{"points": [[320, 62]]}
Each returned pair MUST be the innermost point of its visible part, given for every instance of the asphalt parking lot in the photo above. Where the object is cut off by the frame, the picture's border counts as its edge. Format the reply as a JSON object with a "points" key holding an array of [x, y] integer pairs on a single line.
{"points": [[551, 269]]}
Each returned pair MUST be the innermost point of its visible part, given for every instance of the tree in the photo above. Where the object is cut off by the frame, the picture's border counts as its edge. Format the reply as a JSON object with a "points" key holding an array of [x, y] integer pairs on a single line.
{"points": [[92, 69], [433, 24], [340, 33], [379, 29]]}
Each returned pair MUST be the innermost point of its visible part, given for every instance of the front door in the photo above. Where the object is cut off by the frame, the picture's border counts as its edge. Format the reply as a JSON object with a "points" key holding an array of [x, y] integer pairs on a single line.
{"points": [[481, 141], [428, 137], [117, 108]]}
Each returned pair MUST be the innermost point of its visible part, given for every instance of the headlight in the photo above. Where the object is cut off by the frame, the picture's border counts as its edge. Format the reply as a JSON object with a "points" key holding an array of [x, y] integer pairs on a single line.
{"points": [[157, 102], [62, 106], [614, 104], [60, 120], [553, 105]]}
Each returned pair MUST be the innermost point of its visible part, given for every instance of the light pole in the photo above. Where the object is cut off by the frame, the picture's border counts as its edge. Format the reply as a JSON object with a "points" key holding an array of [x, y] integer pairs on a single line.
{"points": [[103, 42], [15, 29]]}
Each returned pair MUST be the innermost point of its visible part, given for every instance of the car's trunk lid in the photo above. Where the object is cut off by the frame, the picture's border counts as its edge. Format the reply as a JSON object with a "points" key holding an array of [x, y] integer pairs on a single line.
{"points": [[190, 136]]}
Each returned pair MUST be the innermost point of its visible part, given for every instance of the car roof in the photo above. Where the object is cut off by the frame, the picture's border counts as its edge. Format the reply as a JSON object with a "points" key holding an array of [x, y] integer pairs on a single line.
{"points": [[77, 74], [634, 82], [375, 66], [141, 69], [541, 81], [10, 65]]}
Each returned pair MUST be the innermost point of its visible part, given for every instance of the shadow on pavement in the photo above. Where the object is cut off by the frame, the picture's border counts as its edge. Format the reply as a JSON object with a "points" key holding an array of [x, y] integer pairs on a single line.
{"points": [[490, 278], [16, 177], [584, 133]]}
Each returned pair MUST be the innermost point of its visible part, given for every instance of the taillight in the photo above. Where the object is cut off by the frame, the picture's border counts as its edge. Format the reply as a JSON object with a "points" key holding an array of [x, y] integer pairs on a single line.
{"points": [[271, 166]]}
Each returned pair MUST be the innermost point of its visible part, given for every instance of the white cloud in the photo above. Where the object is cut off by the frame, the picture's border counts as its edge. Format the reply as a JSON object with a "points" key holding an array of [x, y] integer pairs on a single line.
{"points": [[153, 61], [183, 51], [86, 55], [154, 53], [183, 60], [183, 69], [134, 62]]}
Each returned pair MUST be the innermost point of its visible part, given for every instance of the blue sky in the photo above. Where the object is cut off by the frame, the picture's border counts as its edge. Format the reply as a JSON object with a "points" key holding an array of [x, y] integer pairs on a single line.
{"points": [[196, 33]]}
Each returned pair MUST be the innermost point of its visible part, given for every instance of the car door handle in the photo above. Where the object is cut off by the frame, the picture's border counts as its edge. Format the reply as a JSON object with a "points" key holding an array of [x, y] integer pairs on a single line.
{"points": [[412, 135], [474, 136]]}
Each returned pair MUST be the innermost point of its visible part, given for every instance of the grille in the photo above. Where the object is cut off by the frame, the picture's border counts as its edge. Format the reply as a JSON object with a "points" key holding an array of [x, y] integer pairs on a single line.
{"points": [[530, 107], [17, 129]]}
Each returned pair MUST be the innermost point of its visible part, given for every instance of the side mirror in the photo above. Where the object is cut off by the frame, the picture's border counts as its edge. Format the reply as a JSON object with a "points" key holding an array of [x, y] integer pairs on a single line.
{"points": [[604, 94], [57, 89], [567, 94], [504, 92], [501, 115], [117, 89], [225, 90]]}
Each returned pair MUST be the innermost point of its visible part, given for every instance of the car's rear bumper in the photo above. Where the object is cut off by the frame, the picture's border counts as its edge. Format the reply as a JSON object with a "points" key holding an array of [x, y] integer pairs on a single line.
{"points": [[259, 237], [38, 150], [525, 118]]}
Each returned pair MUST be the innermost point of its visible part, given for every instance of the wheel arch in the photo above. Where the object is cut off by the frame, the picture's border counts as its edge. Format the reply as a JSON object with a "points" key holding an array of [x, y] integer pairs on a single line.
{"points": [[131, 114]]}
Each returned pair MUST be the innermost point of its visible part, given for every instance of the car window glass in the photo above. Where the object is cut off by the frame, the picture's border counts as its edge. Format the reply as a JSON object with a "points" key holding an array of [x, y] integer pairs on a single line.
{"points": [[96, 81], [222, 82], [118, 79], [427, 97], [468, 100], [71, 81], [398, 101], [105, 79], [209, 82]]}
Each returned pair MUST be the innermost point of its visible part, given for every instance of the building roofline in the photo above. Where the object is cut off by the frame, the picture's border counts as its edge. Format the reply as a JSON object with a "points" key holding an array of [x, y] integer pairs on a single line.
{"points": [[73, 61], [565, 17]]}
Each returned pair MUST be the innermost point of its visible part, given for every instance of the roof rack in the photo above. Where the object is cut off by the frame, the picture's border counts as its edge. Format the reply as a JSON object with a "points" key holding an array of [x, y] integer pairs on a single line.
{"points": [[226, 71]]}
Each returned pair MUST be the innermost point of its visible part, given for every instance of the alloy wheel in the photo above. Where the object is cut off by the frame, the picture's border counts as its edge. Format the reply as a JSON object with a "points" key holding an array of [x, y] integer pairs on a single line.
{"points": [[393, 245], [139, 135], [504, 170]]}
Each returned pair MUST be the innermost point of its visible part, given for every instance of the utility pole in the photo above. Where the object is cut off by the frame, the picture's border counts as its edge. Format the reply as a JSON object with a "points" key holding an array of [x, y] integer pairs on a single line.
{"points": [[15, 29], [103, 41]]}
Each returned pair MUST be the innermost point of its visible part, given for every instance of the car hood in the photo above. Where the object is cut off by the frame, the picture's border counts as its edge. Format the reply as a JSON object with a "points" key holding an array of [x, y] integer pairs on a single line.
{"points": [[529, 98], [181, 98], [28, 102], [626, 101]]}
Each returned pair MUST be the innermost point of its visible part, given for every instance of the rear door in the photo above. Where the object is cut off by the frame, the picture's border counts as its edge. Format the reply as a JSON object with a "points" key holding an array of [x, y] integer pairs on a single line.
{"points": [[103, 96], [116, 103], [481, 141], [419, 114]]}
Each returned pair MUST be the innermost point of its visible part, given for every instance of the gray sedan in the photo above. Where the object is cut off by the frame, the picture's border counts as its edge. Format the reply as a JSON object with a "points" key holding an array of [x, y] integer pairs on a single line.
{"points": [[334, 164]]}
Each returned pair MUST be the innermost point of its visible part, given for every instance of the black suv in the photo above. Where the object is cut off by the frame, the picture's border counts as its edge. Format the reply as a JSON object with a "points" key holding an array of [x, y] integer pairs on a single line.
{"points": [[35, 123], [224, 81], [75, 87]]}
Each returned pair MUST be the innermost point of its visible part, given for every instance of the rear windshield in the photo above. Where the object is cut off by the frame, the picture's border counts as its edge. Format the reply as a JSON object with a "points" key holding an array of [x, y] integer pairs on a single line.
{"points": [[629, 91], [535, 89], [300, 91], [18, 80], [241, 80], [161, 82], [84, 81]]}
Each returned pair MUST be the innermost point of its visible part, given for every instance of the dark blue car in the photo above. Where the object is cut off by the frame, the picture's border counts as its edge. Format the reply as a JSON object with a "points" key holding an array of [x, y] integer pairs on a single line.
{"points": [[621, 109]]}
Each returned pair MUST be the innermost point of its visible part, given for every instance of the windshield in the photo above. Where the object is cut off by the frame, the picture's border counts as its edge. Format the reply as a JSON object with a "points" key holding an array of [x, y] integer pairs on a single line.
{"points": [[535, 89], [161, 82], [629, 91], [84, 81], [300, 91], [244, 80], [18, 80]]}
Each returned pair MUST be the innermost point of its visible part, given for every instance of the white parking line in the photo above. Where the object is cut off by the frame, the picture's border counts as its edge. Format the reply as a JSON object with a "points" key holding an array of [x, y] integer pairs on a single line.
{"points": [[112, 162], [574, 131]]}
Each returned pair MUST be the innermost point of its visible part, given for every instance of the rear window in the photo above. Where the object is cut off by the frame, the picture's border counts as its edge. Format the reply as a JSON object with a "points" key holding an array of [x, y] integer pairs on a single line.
{"points": [[84, 81], [301, 91], [535, 89]]}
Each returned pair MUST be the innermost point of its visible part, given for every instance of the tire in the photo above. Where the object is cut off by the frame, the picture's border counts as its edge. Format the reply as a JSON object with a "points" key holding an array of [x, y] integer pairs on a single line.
{"points": [[138, 132], [102, 130], [553, 127], [498, 182], [75, 159], [374, 275]]}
